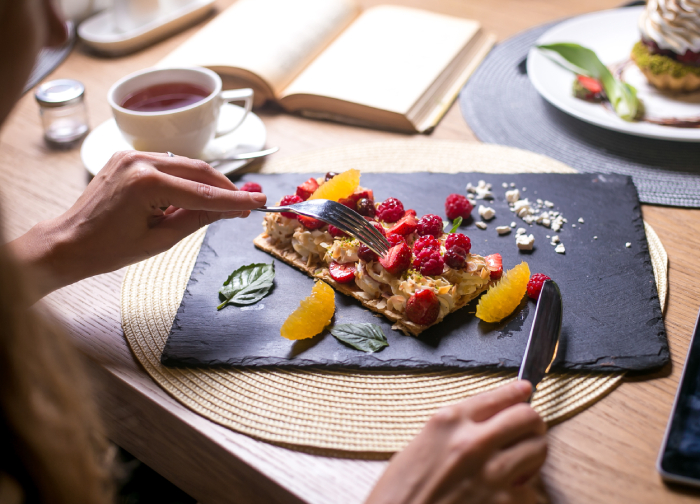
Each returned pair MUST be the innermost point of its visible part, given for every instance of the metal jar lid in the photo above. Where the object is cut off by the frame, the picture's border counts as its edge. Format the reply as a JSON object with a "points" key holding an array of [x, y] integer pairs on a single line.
{"points": [[60, 92]]}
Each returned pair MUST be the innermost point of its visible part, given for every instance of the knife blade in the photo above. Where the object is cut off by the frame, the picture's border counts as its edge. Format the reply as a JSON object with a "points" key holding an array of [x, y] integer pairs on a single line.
{"points": [[544, 336]]}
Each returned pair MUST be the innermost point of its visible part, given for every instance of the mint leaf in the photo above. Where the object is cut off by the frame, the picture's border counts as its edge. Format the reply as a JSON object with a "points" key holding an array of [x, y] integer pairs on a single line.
{"points": [[455, 224], [247, 285], [582, 60], [366, 337]]}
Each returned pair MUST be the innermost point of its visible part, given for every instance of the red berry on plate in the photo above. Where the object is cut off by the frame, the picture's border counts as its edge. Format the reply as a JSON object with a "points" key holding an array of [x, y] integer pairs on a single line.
{"points": [[330, 175], [305, 190], [290, 200], [430, 225], [390, 210], [335, 232], [366, 254], [310, 223], [534, 286], [455, 257], [379, 227], [457, 205], [405, 226], [427, 241], [429, 262], [458, 240], [251, 187], [395, 239], [348, 202], [397, 260], [342, 273], [423, 307], [411, 211], [590, 84], [365, 207], [494, 262]]}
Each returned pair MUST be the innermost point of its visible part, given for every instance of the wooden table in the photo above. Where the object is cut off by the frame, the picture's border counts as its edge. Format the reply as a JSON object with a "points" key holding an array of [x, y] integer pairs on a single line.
{"points": [[605, 454]]}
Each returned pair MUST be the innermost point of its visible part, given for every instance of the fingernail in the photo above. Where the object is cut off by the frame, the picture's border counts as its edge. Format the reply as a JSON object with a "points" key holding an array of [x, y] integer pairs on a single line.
{"points": [[259, 198], [524, 386]]}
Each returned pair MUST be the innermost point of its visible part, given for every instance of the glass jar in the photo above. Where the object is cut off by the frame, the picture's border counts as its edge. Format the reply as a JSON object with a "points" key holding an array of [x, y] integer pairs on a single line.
{"points": [[62, 109]]}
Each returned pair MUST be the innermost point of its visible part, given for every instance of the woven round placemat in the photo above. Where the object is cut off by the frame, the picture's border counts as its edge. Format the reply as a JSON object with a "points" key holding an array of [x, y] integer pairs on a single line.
{"points": [[364, 414], [501, 106]]}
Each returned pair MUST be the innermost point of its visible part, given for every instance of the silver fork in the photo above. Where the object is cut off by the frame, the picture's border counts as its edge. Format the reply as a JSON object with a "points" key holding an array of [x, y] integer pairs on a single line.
{"points": [[340, 216]]}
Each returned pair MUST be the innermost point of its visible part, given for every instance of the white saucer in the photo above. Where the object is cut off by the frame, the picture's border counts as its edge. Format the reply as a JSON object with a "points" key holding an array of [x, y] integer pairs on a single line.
{"points": [[611, 34], [250, 136]]}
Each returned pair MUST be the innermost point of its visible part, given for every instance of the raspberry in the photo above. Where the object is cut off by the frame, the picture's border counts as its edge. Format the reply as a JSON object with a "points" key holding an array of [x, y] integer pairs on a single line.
{"points": [[335, 232], [290, 200], [366, 254], [423, 307], [534, 286], [251, 187], [397, 260], [342, 273], [455, 257], [366, 208], [428, 241], [310, 223], [430, 225], [395, 239], [390, 210], [494, 262], [458, 240], [305, 190], [411, 211], [429, 262], [406, 225], [457, 205]]}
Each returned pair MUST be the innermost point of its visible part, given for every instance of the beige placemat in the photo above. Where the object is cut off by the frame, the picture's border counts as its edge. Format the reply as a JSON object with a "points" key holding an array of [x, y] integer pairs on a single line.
{"points": [[331, 412]]}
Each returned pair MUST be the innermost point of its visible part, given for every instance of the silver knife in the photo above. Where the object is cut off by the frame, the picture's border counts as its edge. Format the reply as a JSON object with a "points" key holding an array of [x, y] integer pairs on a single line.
{"points": [[544, 336]]}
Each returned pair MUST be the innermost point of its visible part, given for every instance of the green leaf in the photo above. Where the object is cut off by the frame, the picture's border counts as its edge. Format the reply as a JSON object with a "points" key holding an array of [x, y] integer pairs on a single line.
{"points": [[247, 285], [582, 60], [455, 224], [366, 337]]}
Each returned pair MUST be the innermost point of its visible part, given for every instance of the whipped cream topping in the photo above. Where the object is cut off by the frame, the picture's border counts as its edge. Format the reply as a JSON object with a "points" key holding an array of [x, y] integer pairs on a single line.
{"points": [[672, 24]]}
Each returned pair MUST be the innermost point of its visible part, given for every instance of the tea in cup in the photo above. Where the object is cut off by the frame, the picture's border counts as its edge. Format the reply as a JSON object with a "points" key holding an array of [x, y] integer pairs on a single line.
{"points": [[173, 109]]}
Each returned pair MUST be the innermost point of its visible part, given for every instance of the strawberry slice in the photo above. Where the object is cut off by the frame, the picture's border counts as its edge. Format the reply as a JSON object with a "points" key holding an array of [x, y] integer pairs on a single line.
{"points": [[398, 259], [423, 307], [411, 211], [406, 225], [342, 273], [495, 264], [305, 190], [592, 85], [310, 223], [335, 232], [348, 202]]}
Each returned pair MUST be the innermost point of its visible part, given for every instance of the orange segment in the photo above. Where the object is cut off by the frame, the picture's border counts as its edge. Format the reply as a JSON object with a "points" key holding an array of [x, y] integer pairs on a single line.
{"points": [[504, 297], [340, 186], [314, 313]]}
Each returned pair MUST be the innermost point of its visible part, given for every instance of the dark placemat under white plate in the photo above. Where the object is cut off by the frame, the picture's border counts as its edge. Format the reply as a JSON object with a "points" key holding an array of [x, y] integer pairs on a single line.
{"points": [[612, 317], [501, 106]]}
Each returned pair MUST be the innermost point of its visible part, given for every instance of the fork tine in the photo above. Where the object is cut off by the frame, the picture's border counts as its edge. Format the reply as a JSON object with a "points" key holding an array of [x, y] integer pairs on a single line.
{"points": [[362, 223], [366, 229], [365, 235]]}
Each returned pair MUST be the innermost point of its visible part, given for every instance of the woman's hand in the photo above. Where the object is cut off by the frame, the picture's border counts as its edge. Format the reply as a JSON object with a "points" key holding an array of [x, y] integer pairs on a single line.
{"points": [[138, 205], [483, 450]]}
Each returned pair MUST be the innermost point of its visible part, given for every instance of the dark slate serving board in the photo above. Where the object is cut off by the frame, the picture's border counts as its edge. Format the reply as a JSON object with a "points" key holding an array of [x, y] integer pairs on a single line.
{"points": [[612, 316]]}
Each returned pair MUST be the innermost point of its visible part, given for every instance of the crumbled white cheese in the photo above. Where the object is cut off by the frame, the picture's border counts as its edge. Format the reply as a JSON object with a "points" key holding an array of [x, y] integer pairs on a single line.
{"points": [[628, 244], [560, 249], [539, 202], [486, 213], [504, 185], [580, 219], [520, 231], [595, 237], [555, 239], [481, 225], [548, 204], [524, 189], [546, 222], [513, 224], [501, 230], [512, 196], [482, 190], [557, 223], [512, 184], [573, 225], [525, 242]]}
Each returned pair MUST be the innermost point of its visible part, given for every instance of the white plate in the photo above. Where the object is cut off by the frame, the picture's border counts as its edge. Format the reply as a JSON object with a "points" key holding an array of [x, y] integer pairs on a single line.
{"points": [[611, 34], [250, 136]]}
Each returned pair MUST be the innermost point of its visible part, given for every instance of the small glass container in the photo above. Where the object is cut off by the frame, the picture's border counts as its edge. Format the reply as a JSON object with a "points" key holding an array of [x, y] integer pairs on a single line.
{"points": [[62, 109]]}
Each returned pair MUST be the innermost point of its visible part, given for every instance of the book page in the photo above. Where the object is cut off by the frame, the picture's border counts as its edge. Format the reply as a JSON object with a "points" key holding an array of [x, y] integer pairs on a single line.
{"points": [[387, 59], [274, 39]]}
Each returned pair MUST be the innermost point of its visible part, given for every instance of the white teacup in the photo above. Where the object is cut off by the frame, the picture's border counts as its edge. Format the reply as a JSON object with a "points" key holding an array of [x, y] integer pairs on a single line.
{"points": [[184, 131]]}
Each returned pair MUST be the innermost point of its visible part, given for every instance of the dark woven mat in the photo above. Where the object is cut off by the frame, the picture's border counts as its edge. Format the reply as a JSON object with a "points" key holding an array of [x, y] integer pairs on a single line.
{"points": [[502, 107]]}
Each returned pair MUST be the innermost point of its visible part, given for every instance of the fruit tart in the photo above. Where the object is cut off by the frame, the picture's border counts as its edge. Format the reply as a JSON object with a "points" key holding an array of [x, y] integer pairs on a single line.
{"points": [[669, 51], [426, 274]]}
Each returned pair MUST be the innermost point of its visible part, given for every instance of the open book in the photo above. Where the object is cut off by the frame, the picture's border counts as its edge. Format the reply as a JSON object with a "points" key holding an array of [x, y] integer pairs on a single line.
{"points": [[390, 67]]}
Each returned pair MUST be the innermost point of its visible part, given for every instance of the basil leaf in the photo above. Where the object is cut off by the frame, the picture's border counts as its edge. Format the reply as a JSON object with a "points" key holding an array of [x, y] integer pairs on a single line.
{"points": [[247, 285], [455, 224], [366, 337], [582, 60]]}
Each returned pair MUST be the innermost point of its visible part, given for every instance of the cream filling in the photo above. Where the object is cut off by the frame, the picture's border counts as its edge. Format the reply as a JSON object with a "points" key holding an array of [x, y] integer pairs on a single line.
{"points": [[672, 24]]}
